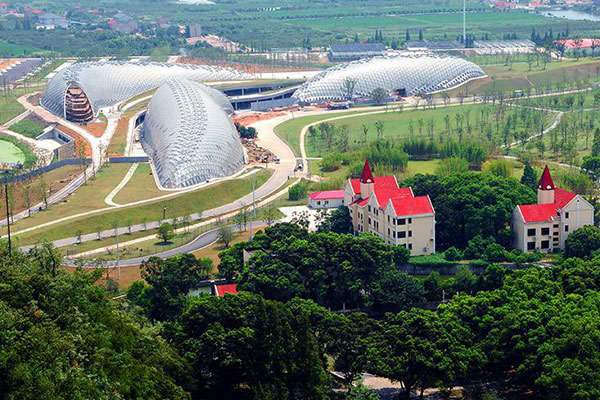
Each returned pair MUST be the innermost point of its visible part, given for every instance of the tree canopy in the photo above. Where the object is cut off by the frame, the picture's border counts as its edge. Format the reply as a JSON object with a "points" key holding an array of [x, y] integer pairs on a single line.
{"points": [[471, 204]]}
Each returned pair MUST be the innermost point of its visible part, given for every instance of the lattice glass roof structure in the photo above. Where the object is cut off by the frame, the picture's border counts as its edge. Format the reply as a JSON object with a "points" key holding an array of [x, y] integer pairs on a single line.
{"points": [[189, 136], [108, 83], [413, 73]]}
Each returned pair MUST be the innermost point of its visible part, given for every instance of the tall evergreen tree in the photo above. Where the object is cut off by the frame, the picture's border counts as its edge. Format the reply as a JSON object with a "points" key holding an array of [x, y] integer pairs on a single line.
{"points": [[529, 177], [420, 35], [596, 143], [407, 35]]}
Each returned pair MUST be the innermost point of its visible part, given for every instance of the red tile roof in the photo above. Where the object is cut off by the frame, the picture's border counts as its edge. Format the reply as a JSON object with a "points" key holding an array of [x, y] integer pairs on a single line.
{"points": [[576, 43], [562, 197], [385, 188], [229, 288], [111, 22], [547, 212], [539, 212], [37, 11], [327, 195], [412, 206], [545, 182]]}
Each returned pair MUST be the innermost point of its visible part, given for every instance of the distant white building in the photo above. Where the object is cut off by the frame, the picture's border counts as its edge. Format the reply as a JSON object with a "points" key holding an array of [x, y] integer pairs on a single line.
{"points": [[326, 199], [51, 21]]}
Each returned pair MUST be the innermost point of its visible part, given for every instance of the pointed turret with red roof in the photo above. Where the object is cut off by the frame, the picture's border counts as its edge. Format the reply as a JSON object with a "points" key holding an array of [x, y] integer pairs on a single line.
{"points": [[546, 182], [367, 175], [546, 188], [367, 181]]}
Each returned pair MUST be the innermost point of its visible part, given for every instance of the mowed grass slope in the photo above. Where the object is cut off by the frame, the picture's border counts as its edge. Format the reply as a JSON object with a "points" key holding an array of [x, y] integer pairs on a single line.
{"points": [[141, 186], [289, 130], [88, 197], [185, 204], [517, 76], [397, 126]]}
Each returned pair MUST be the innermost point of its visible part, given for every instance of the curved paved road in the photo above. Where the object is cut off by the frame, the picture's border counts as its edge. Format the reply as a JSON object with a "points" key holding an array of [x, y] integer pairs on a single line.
{"points": [[267, 139], [202, 241]]}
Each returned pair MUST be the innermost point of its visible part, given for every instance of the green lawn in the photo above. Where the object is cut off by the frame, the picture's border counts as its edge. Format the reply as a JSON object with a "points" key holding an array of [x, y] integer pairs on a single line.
{"points": [[397, 126], [517, 76], [289, 130], [141, 186], [15, 50], [88, 197], [185, 204], [105, 242], [27, 128], [9, 109], [25, 154], [10, 153]]}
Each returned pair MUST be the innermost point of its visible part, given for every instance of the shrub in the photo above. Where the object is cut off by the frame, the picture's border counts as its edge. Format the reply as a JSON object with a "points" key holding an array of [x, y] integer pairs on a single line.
{"points": [[387, 153], [476, 247], [433, 260], [497, 167], [495, 253], [331, 162], [27, 128], [452, 165], [452, 254], [298, 192], [583, 242]]}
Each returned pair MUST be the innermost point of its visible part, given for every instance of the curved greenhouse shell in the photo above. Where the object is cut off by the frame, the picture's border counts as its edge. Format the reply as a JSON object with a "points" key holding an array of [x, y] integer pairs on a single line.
{"points": [[411, 74], [78, 92], [188, 135]]}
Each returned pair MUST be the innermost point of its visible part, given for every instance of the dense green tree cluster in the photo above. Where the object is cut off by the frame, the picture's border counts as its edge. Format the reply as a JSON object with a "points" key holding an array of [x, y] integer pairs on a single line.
{"points": [[168, 282], [339, 221], [471, 204], [335, 270], [61, 337], [240, 344]]}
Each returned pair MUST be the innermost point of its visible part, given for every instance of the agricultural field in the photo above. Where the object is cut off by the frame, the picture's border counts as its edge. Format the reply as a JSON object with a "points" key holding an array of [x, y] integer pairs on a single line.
{"points": [[15, 50]]}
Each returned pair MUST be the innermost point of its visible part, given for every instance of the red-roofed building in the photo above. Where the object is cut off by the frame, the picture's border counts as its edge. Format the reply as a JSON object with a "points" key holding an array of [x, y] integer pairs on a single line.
{"points": [[326, 199], [546, 225], [230, 288], [379, 206], [572, 44]]}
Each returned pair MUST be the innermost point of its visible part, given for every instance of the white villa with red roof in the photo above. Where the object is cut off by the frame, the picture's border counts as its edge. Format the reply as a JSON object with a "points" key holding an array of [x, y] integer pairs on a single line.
{"points": [[326, 199], [546, 225], [381, 207]]}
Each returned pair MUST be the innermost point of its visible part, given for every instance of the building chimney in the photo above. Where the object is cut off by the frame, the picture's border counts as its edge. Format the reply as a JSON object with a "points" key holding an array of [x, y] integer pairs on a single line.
{"points": [[367, 182], [546, 188]]}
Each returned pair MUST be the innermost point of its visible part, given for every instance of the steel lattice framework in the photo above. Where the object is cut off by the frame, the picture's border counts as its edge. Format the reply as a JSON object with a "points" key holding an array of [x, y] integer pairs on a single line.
{"points": [[412, 73], [188, 134], [105, 84]]}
